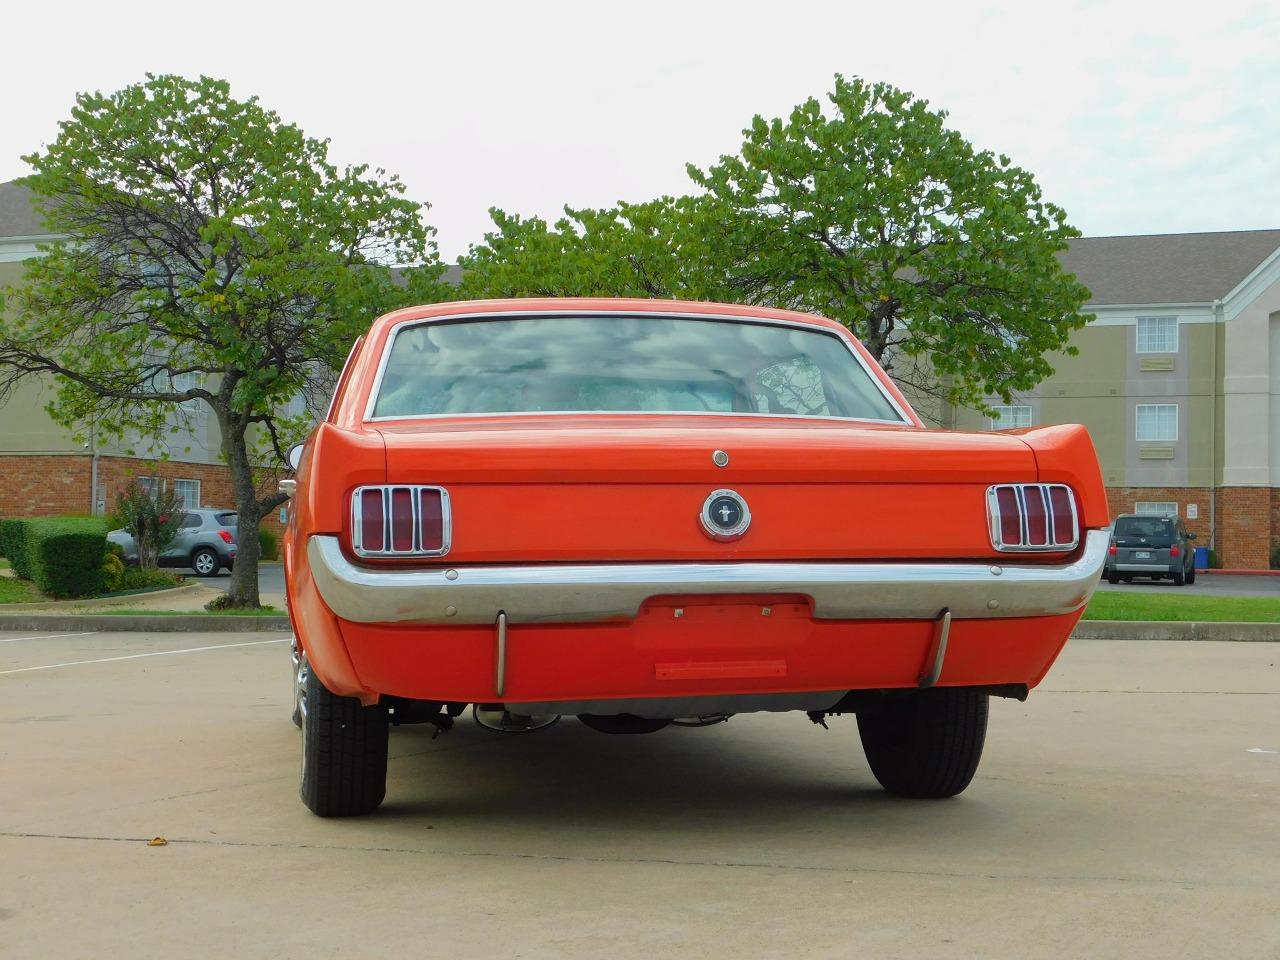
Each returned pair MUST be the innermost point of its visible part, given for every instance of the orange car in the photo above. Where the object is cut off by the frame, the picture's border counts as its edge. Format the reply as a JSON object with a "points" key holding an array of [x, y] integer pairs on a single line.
{"points": [[652, 512]]}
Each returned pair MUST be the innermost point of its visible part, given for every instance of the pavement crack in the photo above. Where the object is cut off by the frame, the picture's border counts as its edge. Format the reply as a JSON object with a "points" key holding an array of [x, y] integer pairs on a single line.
{"points": [[656, 861]]}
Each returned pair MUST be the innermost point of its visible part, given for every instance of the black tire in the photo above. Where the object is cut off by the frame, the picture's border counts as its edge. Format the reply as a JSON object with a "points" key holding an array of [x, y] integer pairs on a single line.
{"points": [[205, 562], [1191, 576], [621, 723], [1113, 578], [344, 753], [926, 744], [1179, 578]]}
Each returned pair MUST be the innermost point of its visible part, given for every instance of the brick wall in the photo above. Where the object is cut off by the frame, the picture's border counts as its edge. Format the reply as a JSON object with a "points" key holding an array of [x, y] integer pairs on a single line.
{"points": [[1248, 518], [50, 486], [55, 486], [1125, 499], [1245, 528]]}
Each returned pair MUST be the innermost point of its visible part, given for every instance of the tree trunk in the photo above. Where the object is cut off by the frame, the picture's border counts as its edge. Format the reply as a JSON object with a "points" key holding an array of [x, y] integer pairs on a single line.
{"points": [[244, 575]]}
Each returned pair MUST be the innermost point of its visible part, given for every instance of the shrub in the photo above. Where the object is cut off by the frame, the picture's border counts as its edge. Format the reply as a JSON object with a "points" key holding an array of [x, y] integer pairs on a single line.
{"points": [[135, 578], [1275, 557], [151, 519], [267, 545], [1215, 562], [64, 556], [13, 544], [112, 572]]}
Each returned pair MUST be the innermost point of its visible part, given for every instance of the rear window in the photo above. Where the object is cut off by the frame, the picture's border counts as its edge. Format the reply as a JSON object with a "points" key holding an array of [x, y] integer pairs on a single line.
{"points": [[226, 519], [1153, 530], [625, 364]]}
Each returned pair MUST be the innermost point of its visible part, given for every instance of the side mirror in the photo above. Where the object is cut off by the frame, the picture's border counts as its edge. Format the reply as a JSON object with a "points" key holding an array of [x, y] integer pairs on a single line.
{"points": [[294, 456], [1191, 536]]}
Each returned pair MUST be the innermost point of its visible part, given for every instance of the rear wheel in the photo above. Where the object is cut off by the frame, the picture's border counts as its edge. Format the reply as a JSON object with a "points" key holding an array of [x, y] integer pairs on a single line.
{"points": [[1113, 578], [204, 562], [926, 744], [1191, 576], [344, 752], [1179, 578]]}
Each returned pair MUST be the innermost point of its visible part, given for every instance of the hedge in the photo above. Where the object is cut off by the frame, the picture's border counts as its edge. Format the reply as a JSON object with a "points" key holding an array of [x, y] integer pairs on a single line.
{"points": [[13, 546], [62, 555]]}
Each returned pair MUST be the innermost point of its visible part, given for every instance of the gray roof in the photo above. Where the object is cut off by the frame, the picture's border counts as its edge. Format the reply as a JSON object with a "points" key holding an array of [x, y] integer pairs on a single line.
{"points": [[18, 218], [1168, 267]]}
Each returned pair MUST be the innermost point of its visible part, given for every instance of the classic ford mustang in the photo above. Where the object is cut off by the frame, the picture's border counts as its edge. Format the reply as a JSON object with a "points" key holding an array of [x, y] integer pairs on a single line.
{"points": [[653, 512]]}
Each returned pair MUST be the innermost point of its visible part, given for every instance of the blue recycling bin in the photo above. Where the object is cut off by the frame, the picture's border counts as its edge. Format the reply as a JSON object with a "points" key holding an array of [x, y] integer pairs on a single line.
{"points": [[1202, 558]]}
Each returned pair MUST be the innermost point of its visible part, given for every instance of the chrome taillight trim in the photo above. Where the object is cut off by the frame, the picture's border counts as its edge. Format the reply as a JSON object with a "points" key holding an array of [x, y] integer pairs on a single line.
{"points": [[1019, 490], [415, 499]]}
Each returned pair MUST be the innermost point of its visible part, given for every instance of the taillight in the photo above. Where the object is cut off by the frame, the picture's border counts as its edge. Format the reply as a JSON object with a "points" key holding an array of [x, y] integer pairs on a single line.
{"points": [[400, 521], [1175, 551], [1111, 550], [226, 536], [1032, 516]]}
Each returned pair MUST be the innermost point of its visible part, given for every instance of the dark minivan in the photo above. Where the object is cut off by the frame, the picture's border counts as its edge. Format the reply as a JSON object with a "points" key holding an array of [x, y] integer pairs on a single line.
{"points": [[1155, 547]]}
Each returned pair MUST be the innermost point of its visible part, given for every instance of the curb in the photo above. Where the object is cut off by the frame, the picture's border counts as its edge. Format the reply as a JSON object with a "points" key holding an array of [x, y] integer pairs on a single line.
{"points": [[1176, 630], [144, 623], [73, 607], [1242, 573]]}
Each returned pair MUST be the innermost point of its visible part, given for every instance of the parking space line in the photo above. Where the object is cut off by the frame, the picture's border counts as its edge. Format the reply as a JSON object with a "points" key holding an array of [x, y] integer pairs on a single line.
{"points": [[52, 636], [138, 656]]}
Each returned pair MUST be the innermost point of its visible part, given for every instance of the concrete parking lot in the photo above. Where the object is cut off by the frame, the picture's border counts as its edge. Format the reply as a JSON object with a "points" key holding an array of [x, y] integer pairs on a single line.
{"points": [[1128, 809]]}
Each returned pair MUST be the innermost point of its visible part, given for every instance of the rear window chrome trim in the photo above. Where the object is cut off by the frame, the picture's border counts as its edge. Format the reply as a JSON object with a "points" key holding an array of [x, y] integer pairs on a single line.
{"points": [[657, 314]]}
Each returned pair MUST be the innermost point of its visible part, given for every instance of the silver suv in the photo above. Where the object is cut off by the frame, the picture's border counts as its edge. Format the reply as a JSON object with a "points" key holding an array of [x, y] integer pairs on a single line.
{"points": [[206, 542]]}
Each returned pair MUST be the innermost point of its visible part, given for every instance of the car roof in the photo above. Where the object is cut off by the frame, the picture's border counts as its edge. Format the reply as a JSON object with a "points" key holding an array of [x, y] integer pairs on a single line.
{"points": [[602, 307]]}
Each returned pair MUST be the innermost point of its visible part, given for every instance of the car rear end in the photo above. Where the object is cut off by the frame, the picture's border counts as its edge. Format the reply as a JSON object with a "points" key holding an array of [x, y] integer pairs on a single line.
{"points": [[1143, 546], [563, 559]]}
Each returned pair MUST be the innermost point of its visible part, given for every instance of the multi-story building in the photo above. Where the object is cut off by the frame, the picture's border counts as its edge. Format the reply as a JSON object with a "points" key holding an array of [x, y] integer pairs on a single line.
{"points": [[1178, 381], [1177, 378]]}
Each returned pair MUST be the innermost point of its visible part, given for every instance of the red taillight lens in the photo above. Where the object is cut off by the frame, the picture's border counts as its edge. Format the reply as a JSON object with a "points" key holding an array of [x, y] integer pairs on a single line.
{"points": [[372, 520], [1112, 550], [226, 536], [1064, 527], [1175, 551], [1010, 517], [1037, 516], [1032, 516], [400, 521], [431, 518]]}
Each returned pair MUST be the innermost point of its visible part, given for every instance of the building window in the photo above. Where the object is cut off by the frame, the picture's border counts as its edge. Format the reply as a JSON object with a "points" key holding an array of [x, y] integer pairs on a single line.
{"points": [[188, 493], [1006, 416], [1157, 334], [1156, 508], [151, 486], [1157, 421]]}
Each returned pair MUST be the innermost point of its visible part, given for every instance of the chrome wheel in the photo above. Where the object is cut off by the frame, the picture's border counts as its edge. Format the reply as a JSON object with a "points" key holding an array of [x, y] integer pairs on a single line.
{"points": [[205, 563], [300, 671]]}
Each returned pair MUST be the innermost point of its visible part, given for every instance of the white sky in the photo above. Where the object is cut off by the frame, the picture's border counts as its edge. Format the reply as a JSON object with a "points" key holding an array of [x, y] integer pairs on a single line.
{"points": [[1136, 117]]}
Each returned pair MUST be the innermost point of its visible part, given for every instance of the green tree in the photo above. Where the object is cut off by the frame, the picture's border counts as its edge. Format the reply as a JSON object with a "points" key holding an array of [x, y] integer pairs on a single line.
{"points": [[656, 249], [213, 256], [876, 214]]}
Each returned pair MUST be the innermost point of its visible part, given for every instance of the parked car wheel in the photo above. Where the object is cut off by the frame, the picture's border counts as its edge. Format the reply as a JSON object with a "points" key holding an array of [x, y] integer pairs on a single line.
{"points": [[926, 744], [300, 672], [344, 752], [1179, 578], [1113, 579], [205, 562], [1191, 576]]}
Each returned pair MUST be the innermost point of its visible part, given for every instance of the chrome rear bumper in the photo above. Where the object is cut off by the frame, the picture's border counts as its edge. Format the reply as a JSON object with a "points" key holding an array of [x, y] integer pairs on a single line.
{"points": [[577, 593]]}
